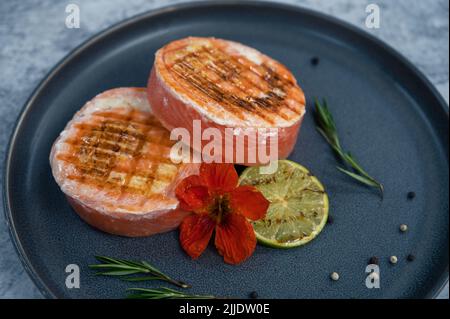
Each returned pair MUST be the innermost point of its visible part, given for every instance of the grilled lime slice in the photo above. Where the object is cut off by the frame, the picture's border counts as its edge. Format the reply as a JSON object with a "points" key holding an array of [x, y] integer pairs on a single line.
{"points": [[298, 208]]}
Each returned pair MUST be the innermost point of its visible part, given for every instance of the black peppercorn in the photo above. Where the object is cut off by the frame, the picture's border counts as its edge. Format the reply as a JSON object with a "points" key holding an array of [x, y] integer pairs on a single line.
{"points": [[410, 257], [315, 61], [374, 261], [411, 195], [254, 295]]}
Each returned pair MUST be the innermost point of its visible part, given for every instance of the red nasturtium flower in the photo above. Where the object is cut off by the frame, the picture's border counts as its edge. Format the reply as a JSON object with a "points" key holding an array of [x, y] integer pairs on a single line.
{"points": [[218, 203]]}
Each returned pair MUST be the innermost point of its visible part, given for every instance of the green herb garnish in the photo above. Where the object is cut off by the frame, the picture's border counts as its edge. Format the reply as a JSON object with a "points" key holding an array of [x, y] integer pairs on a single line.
{"points": [[120, 267], [327, 128], [163, 293]]}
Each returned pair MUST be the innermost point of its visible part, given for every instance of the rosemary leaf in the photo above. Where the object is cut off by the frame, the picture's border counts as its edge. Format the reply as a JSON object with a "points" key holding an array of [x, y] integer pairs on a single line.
{"points": [[109, 266], [121, 267], [118, 273], [327, 128], [360, 178], [163, 293]]}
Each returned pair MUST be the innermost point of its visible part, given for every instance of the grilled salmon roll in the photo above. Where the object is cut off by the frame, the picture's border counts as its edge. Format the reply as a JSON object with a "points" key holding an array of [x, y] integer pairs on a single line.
{"points": [[112, 161], [224, 84]]}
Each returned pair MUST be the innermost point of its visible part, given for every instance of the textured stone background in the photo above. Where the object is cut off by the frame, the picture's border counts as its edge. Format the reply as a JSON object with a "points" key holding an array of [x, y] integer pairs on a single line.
{"points": [[33, 38]]}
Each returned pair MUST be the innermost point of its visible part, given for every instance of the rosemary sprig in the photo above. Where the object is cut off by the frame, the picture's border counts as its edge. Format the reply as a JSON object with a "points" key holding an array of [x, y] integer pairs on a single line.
{"points": [[120, 267], [163, 293], [327, 127]]}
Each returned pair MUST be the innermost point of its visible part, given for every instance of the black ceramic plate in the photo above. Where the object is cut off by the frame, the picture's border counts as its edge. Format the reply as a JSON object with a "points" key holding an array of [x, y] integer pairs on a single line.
{"points": [[387, 113]]}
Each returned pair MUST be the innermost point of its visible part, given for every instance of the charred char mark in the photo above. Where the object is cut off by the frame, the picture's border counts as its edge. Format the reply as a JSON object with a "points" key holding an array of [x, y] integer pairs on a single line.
{"points": [[194, 66], [97, 147]]}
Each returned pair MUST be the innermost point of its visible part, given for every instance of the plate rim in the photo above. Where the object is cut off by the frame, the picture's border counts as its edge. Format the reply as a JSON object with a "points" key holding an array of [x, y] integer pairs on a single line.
{"points": [[9, 219]]}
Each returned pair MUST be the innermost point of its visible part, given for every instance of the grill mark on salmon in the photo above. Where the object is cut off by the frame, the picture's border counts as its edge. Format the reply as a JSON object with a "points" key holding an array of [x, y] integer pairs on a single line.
{"points": [[155, 135], [132, 117], [98, 146], [241, 65], [112, 161], [191, 68], [230, 72]]}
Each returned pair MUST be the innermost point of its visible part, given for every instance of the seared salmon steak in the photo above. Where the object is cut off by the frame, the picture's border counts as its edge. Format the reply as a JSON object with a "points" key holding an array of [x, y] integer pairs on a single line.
{"points": [[113, 163], [224, 84]]}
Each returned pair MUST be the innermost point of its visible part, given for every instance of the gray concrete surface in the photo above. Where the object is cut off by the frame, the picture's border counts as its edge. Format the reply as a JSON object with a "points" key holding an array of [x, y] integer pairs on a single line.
{"points": [[33, 38]]}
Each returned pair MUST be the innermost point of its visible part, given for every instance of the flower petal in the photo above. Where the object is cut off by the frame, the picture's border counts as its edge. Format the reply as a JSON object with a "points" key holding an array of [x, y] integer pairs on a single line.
{"points": [[249, 202], [219, 177], [195, 233], [235, 239], [191, 193]]}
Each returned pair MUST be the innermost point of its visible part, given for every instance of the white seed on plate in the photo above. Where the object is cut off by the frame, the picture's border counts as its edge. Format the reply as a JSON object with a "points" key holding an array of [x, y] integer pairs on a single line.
{"points": [[334, 276], [403, 227], [393, 260]]}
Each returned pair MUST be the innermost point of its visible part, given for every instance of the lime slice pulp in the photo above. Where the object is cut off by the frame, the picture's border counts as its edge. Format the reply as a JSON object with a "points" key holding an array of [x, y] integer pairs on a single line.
{"points": [[298, 208]]}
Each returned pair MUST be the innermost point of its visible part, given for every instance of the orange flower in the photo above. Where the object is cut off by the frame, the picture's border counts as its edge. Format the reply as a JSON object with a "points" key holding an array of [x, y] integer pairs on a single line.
{"points": [[217, 202]]}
